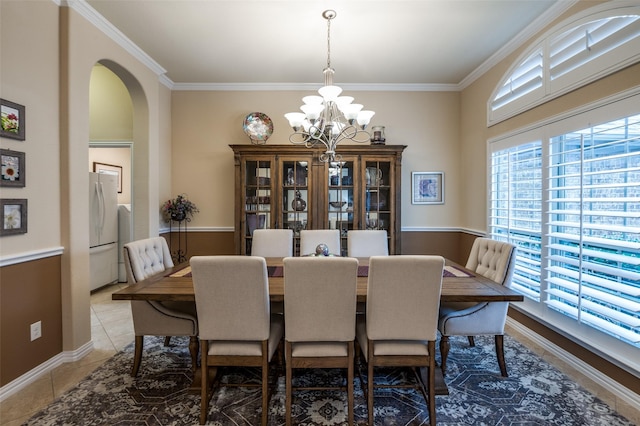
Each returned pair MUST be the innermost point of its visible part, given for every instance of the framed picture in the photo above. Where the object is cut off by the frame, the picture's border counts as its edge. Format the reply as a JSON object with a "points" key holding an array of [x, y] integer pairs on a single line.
{"points": [[12, 118], [427, 187], [13, 171], [14, 216], [109, 169]]}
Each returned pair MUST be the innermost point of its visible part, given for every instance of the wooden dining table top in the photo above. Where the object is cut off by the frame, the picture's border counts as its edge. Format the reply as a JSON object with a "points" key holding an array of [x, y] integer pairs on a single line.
{"points": [[175, 284]]}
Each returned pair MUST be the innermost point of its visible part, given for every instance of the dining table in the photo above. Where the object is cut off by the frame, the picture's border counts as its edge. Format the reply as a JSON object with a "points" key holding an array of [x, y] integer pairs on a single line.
{"points": [[458, 285]]}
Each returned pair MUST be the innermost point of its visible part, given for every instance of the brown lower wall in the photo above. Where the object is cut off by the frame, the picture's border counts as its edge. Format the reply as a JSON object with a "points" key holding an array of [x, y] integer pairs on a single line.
{"points": [[29, 292]]}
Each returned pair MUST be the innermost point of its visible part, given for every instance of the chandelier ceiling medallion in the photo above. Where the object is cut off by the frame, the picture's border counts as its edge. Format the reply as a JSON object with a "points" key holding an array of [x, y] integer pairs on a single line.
{"points": [[329, 119]]}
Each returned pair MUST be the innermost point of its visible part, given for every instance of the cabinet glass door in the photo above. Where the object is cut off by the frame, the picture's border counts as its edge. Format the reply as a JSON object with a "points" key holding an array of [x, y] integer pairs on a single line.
{"points": [[378, 202], [341, 200], [257, 197], [296, 202]]}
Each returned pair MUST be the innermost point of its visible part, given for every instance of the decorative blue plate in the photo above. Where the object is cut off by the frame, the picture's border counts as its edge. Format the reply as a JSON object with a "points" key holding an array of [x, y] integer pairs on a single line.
{"points": [[258, 127]]}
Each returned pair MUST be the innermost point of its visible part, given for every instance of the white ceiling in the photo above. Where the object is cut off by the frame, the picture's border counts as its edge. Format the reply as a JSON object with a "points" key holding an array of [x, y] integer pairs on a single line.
{"points": [[284, 42]]}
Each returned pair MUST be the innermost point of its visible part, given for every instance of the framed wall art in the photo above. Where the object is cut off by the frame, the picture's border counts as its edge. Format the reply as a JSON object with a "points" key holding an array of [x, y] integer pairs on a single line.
{"points": [[427, 188], [14, 216], [13, 168], [110, 169], [12, 120]]}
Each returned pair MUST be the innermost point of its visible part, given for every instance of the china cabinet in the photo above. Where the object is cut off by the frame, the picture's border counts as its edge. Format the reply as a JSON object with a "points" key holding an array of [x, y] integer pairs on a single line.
{"points": [[287, 186]]}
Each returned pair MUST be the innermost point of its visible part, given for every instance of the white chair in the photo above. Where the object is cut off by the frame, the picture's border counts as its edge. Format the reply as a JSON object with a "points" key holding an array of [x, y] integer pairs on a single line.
{"points": [[400, 325], [235, 323], [144, 258], [310, 238], [496, 261], [272, 243], [367, 243], [320, 312]]}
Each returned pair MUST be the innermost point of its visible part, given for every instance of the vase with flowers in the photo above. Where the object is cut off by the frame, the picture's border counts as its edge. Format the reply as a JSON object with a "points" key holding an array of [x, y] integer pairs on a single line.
{"points": [[178, 209]]}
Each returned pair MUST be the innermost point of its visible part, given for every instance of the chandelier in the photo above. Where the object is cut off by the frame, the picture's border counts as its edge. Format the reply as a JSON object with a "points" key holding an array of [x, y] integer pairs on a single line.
{"points": [[329, 119]]}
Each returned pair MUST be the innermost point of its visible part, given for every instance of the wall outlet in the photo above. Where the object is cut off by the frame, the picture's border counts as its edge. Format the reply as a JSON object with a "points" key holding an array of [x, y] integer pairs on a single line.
{"points": [[36, 330]]}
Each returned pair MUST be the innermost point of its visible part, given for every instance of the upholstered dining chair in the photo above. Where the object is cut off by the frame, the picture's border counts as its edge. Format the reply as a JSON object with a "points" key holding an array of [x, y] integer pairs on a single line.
{"points": [[400, 325], [495, 260], [235, 323], [320, 312], [144, 258], [272, 243], [310, 238], [367, 243]]}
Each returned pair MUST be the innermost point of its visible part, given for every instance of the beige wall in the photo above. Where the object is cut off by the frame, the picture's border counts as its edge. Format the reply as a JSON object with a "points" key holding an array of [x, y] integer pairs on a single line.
{"points": [[110, 107], [206, 122]]}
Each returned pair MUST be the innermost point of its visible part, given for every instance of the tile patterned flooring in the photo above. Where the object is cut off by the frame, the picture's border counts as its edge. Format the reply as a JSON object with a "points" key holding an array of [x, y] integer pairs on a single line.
{"points": [[112, 330]]}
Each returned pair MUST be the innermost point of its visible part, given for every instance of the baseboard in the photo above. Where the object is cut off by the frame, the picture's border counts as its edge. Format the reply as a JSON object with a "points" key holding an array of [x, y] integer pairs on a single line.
{"points": [[585, 369], [44, 368]]}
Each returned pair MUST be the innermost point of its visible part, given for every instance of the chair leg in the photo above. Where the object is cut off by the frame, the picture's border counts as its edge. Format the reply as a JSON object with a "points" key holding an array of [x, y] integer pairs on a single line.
{"points": [[194, 346], [265, 383], [204, 391], [370, 382], [432, 383], [137, 355], [288, 380], [472, 342], [350, 378], [167, 340], [500, 353], [444, 352]]}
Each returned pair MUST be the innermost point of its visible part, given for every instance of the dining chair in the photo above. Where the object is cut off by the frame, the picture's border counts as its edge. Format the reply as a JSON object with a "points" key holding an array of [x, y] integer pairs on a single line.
{"points": [[310, 238], [367, 243], [494, 260], [144, 258], [320, 312], [400, 325], [235, 323], [272, 243]]}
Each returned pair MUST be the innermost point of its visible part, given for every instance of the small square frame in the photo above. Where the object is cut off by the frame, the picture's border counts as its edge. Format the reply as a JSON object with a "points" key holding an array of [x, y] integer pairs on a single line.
{"points": [[109, 169], [13, 171], [427, 188], [8, 125], [14, 216]]}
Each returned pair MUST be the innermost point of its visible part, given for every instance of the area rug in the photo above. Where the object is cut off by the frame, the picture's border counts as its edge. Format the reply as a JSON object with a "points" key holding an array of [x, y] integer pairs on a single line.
{"points": [[535, 393]]}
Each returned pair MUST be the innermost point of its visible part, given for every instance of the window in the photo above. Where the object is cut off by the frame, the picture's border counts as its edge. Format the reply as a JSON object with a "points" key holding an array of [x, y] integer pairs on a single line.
{"points": [[594, 227], [570, 201], [600, 41]]}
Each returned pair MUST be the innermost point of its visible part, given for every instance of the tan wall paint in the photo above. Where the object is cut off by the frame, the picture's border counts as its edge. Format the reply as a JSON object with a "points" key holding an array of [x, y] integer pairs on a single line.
{"points": [[205, 123], [29, 77], [110, 107]]}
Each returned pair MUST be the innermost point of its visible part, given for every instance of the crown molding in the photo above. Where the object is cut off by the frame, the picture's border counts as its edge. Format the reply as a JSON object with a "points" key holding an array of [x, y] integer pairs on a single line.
{"points": [[516, 42], [91, 15], [353, 87]]}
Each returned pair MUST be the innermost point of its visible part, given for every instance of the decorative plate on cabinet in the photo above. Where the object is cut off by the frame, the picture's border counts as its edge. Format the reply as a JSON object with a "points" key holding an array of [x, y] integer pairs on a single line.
{"points": [[258, 126]]}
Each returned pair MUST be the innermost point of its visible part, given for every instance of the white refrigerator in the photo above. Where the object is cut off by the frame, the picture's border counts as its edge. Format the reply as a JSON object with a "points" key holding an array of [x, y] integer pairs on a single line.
{"points": [[103, 229]]}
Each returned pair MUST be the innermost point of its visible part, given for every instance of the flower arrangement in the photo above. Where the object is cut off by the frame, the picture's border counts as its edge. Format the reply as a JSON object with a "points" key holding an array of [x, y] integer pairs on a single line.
{"points": [[178, 209]]}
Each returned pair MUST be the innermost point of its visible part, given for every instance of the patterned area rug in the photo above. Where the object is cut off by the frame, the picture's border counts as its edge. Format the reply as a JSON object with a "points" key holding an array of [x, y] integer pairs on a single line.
{"points": [[535, 393]]}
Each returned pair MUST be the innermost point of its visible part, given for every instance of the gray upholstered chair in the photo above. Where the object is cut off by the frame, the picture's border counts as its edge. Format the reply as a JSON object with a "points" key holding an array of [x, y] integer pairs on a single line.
{"points": [[272, 243], [400, 325], [320, 312], [144, 258], [235, 323], [496, 261], [310, 238], [367, 243]]}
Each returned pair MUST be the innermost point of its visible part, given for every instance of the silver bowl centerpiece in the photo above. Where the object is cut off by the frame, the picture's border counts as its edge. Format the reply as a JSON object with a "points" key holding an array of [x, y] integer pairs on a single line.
{"points": [[322, 250]]}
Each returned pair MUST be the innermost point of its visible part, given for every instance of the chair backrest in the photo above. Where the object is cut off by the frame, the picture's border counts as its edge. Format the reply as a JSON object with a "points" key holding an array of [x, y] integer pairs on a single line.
{"points": [[232, 297], [320, 298], [403, 297], [367, 243], [272, 243], [493, 259], [310, 238], [147, 257]]}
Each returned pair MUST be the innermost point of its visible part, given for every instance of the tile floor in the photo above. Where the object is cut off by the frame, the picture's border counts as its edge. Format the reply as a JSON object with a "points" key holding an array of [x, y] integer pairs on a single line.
{"points": [[112, 330]]}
